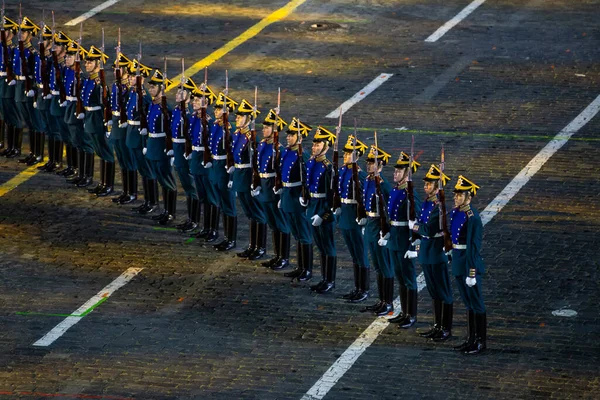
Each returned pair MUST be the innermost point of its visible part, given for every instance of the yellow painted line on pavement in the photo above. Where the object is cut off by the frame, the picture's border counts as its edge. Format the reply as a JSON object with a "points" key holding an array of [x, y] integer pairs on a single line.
{"points": [[254, 30], [23, 176]]}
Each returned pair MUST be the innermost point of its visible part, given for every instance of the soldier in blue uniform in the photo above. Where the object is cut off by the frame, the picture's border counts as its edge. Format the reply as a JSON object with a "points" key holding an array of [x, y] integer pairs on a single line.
{"points": [[293, 174], [77, 133], [135, 141], [220, 193], [12, 117], [155, 150], [24, 95], [43, 103], [432, 257], [375, 202], [319, 171], [467, 264], [91, 96], [117, 131], [241, 182], [201, 98], [57, 111], [347, 214], [180, 162], [266, 195], [402, 249]]}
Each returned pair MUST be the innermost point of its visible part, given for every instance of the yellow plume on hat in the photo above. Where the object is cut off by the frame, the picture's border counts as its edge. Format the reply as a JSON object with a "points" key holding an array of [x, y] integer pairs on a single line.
{"points": [[465, 185], [404, 160], [381, 155], [297, 126], [360, 147], [273, 118], [323, 134], [435, 173]]}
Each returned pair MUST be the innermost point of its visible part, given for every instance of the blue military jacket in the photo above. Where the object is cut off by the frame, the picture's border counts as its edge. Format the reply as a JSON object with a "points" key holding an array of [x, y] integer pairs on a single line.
{"points": [[177, 136], [134, 139], [347, 219], [241, 149], [318, 180], [267, 171], [197, 160], [91, 96], [157, 122], [55, 108], [216, 139], [71, 105], [6, 91], [291, 176], [29, 52], [371, 201], [397, 208], [466, 229], [116, 132], [432, 239], [41, 103]]}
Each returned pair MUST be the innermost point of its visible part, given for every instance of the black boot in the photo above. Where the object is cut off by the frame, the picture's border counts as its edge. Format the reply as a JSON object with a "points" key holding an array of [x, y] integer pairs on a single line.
{"points": [[194, 216], [165, 195], [364, 275], [205, 222], [31, 155], [445, 332], [307, 261], [322, 282], [231, 237], [261, 243], [145, 204], [437, 320], [58, 156], [170, 206], [377, 305], [403, 306], [100, 186], [2, 127], [38, 150], [88, 172], [17, 140], [65, 171], [213, 234], [480, 343], [152, 205], [283, 253], [252, 245], [109, 180], [356, 269], [124, 179], [411, 316], [470, 339], [185, 225], [77, 173], [388, 298], [330, 273], [298, 271], [50, 161], [132, 187], [275, 236], [9, 140]]}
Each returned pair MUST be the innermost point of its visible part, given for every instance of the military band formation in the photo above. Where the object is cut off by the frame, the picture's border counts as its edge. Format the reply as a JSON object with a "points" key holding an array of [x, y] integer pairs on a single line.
{"points": [[293, 191]]}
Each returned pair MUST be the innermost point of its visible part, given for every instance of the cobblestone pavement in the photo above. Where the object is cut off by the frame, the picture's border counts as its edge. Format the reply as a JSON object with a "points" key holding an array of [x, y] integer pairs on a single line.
{"points": [[199, 324]]}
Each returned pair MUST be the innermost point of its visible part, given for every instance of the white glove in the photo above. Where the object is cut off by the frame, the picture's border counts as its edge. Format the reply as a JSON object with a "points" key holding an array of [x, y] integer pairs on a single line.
{"points": [[187, 157], [449, 253], [107, 134], [383, 240], [63, 104], [361, 222], [172, 161], [229, 184], [337, 211], [123, 125], [471, 282], [279, 204], [170, 153], [80, 116], [362, 231], [277, 191], [31, 93], [143, 131], [208, 165], [35, 104], [303, 203], [411, 254], [411, 224], [109, 123], [12, 83], [316, 220], [386, 237], [48, 97], [255, 192], [230, 170], [144, 151]]}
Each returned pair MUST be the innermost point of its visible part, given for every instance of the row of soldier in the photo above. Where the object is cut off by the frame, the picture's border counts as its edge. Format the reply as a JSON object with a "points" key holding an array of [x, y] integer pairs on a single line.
{"points": [[293, 192]]}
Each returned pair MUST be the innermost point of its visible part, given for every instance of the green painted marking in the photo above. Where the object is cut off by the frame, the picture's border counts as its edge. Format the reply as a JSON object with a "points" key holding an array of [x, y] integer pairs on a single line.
{"points": [[89, 310], [190, 240], [86, 312], [158, 228]]}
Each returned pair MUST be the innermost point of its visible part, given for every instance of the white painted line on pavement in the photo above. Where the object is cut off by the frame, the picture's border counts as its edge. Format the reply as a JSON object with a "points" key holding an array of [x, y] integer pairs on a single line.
{"points": [[358, 347], [91, 13], [364, 92], [68, 322], [454, 21]]}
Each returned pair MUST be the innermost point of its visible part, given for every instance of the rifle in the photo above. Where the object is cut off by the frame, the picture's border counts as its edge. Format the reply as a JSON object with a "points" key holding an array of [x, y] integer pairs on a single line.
{"points": [[10, 75], [361, 212], [103, 88], [23, 58], [58, 78], [305, 191], [410, 190], [255, 171], [185, 126], [79, 110], [381, 207], [165, 111], [207, 160], [443, 222], [140, 94], [276, 153], [337, 201], [118, 78], [44, 74], [227, 136]]}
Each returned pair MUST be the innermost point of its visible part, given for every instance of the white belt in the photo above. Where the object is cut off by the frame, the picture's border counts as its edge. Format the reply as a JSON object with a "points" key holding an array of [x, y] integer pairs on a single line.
{"points": [[197, 148], [459, 246], [21, 77], [134, 123], [116, 113], [54, 92], [372, 214], [318, 195], [157, 135], [71, 98], [219, 157], [349, 201], [439, 234], [291, 184], [3, 74], [267, 175], [179, 140], [242, 166], [399, 223], [94, 108]]}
